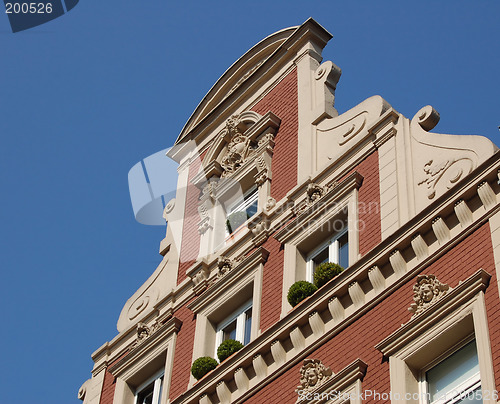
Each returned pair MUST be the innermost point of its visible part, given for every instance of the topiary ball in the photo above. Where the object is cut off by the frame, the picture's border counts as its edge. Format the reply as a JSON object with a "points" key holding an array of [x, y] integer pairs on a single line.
{"points": [[326, 271], [202, 366], [227, 348], [299, 291]]}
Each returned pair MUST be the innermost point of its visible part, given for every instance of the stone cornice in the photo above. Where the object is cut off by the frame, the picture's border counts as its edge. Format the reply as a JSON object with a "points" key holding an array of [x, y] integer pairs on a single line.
{"points": [[149, 349], [311, 212], [240, 270]]}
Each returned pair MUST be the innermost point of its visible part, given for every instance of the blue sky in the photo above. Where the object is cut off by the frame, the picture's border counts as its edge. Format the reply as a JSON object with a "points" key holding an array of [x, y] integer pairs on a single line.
{"points": [[85, 97]]}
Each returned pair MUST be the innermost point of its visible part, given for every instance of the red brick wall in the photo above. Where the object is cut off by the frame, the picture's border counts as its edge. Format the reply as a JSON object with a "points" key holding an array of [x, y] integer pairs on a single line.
{"points": [[108, 388], [359, 339], [183, 355], [272, 284], [190, 245], [283, 102], [108, 385]]}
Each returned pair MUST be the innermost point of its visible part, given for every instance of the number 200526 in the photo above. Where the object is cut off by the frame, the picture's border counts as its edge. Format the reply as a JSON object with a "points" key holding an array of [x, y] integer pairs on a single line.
{"points": [[28, 8]]}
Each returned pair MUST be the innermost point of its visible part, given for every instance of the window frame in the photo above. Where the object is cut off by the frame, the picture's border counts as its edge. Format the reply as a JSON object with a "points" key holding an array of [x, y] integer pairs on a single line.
{"points": [[250, 197], [333, 252], [447, 323], [243, 280], [299, 235], [131, 371], [239, 316], [466, 387], [158, 382]]}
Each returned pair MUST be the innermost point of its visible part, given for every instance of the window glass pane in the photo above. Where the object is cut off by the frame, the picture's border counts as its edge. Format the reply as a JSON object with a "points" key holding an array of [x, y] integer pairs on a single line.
{"points": [[454, 372], [146, 395], [343, 251], [252, 207], [229, 331], [248, 326], [321, 257], [240, 212]]}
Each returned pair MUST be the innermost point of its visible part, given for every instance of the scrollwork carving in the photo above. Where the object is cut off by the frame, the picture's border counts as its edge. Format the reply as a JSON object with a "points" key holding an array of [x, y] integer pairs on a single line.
{"points": [[426, 292], [144, 301], [444, 174], [427, 117], [82, 391]]}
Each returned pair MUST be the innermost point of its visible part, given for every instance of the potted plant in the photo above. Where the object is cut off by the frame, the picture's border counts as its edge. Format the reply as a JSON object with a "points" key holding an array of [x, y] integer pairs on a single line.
{"points": [[326, 271], [299, 291], [227, 348], [202, 366]]}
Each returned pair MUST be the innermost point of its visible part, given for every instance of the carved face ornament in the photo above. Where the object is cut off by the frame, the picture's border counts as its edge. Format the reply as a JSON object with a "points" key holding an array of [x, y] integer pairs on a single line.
{"points": [[312, 374], [426, 291]]}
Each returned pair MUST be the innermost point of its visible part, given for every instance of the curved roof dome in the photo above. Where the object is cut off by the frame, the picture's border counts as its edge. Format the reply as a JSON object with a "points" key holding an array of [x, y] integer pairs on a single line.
{"points": [[233, 77]]}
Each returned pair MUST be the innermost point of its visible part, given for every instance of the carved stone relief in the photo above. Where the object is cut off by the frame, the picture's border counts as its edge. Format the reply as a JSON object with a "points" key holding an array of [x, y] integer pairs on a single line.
{"points": [[270, 203], [444, 174], [441, 161], [260, 230], [426, 292], [315, 192], [143, 332], [312, 375], [239, 148], [225, 266], [337, 137]]}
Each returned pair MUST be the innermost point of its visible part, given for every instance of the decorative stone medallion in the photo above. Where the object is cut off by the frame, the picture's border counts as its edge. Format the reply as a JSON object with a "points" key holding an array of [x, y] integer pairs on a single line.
{"points": [[312, 375], [426, 292]]}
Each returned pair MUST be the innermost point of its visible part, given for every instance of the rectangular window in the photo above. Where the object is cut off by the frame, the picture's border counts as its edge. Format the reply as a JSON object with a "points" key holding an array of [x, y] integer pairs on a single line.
{"points": [[455, 379], [237, 326], [242, 210], [335, 250], [150, 392]]}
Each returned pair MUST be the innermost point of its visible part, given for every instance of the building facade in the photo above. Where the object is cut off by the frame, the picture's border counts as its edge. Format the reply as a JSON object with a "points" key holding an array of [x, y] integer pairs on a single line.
{"points": [[273, 182]]}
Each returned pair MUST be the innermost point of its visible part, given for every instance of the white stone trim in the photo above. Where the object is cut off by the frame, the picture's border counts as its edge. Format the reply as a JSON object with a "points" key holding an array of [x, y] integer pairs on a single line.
{"points": [[90, 391], [454, 317], [129, 371], [310, 222]]}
